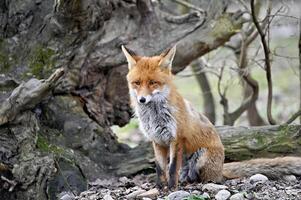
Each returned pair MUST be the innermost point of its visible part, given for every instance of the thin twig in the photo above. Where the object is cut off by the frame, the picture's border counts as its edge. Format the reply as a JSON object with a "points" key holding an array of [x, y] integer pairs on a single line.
{"points": [[293, 117], [267, 63], [12, 183], [242, 64]]}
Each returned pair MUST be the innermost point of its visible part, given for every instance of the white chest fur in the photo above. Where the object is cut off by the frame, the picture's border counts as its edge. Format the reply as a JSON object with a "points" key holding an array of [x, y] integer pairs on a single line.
{"points": [[157, 121]]}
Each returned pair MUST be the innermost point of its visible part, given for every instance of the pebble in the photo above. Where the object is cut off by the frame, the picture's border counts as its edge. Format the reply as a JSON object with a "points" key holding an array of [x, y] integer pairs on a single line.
{"points": [[222, 195], [197, 192], [178, 195], [238, 196], [290, 178], [213, 188], [67, 197], [150, 194], [146, 198], [107, 197], [206, 195], [133, 195], [124, 180], [258, 178]]}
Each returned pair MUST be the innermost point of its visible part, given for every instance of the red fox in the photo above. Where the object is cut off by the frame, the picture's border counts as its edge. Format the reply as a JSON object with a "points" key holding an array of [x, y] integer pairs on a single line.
{"points": [[186, 145]]}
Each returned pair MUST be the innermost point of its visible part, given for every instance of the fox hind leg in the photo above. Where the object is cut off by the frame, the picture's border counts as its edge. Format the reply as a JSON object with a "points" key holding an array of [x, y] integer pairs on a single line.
{"points": [[190, 172], [203, 166]]}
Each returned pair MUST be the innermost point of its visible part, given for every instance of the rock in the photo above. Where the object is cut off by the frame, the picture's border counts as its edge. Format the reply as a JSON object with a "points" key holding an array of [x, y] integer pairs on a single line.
{"points": [[250, 196], [197, 192], [258, 178], [153, 193], [222, 195], [67, 196], [107, 197], [133, 195], [178, 195], [146, 198], [290, 178], [213, 188], [238, 196], [124, 180], [206, 195]]}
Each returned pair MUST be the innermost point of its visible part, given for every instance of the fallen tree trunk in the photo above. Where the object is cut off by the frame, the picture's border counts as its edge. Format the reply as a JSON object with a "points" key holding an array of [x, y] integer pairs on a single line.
{"points": [[241, 143]]}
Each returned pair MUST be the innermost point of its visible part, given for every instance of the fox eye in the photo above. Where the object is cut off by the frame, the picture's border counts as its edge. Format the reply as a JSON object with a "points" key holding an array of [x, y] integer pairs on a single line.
{"points": [[152, 82], [136, 83]]}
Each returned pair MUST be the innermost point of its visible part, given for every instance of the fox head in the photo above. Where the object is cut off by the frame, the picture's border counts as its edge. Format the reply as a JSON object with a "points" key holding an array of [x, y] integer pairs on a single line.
{"points": [[149, 77]]}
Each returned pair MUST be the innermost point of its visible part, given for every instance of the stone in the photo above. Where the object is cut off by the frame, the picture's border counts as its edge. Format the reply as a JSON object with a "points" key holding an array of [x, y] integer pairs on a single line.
{"points": [[197, 192], [238, 196], [67, 197], [124, 180], [107, 197], [206, 195], [133, 195], [222, 195], [290, 178], [258, 178], [153, 193], [178, 195], [213, 188]]}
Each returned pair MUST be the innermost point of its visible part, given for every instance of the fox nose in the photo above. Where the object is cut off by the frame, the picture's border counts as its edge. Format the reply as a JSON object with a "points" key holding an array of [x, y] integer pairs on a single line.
{"points": [[142, 100]]}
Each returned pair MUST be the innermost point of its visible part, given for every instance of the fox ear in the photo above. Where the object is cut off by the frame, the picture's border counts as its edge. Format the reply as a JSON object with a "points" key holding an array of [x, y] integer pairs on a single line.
{"points": [[129, 56], [167, 58]]}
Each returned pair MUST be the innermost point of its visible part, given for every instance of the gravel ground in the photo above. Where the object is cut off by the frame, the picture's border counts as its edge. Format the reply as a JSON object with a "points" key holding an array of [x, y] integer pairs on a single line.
{"points": [[142, 187]]}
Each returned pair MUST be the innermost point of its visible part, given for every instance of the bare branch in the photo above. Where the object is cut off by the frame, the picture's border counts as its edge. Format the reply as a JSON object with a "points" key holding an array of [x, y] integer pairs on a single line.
{"points": [[208, 105], [230, 118], [293, 117], [267, 64]]}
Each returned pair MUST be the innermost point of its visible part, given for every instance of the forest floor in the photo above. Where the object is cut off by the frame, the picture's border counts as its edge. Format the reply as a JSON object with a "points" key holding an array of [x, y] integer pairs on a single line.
{"points": [[143, 187]]}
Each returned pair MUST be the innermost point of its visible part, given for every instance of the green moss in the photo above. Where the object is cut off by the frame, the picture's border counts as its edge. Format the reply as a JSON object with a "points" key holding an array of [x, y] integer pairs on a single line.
{"points": [[224, 25], [284, 140], [43, 145], [239, 154], [281, 148], [41, 61], [5, 62], [258, 141]]}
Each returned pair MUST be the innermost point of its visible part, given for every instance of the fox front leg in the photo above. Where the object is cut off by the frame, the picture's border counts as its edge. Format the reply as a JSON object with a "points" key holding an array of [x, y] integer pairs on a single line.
{"points": [[161, 164], [176, 156]]}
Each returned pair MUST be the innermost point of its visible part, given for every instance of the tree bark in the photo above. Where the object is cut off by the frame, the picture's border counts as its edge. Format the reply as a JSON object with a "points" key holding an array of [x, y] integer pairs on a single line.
{"points": [[252, 112], [208, 104]]}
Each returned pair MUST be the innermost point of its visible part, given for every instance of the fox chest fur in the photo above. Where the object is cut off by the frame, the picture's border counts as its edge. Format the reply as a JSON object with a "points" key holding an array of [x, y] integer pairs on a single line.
{"points": [[157, 121]]}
